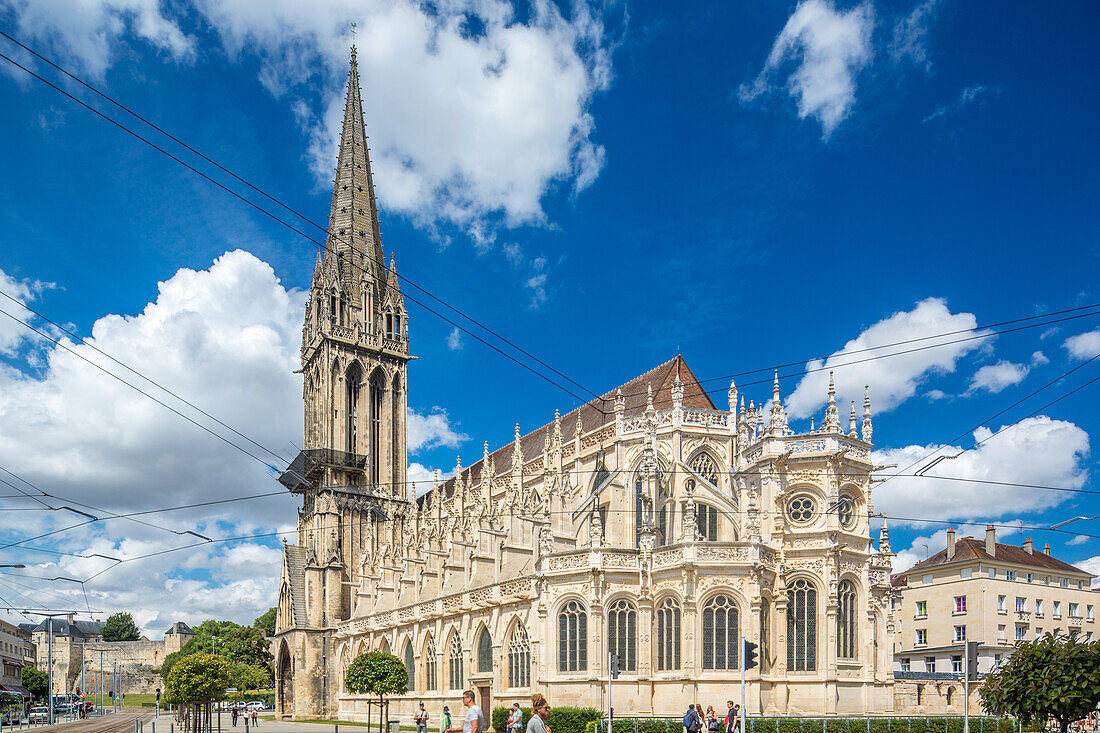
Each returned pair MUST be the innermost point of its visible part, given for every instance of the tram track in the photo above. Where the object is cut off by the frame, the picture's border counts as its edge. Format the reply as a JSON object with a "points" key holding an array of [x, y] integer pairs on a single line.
{"points": [[121, 722]]}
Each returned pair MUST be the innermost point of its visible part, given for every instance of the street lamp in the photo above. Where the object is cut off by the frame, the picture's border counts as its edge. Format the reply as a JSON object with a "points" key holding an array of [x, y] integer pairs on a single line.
{"points": [[1075, 519]]}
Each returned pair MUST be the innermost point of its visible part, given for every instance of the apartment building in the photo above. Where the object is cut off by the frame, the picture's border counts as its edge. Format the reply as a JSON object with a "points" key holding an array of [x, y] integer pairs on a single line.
{"points": [[16, 652], [989, 592]]}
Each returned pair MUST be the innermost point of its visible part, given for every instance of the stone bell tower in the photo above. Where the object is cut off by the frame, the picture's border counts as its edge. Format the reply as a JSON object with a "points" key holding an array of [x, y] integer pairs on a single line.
{"points": [[351, 472]]}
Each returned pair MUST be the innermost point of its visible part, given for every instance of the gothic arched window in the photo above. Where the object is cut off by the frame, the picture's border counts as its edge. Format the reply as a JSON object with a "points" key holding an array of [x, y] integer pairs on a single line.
{"points": [[484, 651], [572, 638], [846, 512], [706, 518], [705, 466], [352, 380], [622, 634], [455, 677], [668, 635], [801, 627], [410, 665], [519, 658], [720, 633], [377, 389], [846, 621], [429, 664]]}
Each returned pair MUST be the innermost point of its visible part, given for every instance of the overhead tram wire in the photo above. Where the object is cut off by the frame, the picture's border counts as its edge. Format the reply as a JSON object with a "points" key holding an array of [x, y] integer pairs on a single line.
{"points": [[285, 206], [826, 367], [920, 338], [136, 373], [1026, 397], [265, 535], [321, 244], [326, 248]]}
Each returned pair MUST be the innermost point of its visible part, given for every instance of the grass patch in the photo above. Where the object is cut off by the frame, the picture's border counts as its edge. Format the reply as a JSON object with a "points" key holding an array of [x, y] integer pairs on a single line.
{"points": [[137, 699], [348, 722]]}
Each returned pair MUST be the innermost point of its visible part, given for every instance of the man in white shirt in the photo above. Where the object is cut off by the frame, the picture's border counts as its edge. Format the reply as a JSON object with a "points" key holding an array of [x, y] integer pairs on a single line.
{"points": [[474, 721]]}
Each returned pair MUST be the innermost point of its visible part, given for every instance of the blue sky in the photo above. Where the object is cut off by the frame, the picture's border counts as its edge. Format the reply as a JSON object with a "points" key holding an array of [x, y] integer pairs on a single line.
{"points": [[748, 184]]}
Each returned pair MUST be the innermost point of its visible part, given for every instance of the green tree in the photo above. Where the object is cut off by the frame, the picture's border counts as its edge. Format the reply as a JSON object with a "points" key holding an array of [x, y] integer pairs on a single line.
{"points": [[196, 681], [239, 644], [36, 681], [379, 674], [266, 622], [1051, 677], [120, 627]]}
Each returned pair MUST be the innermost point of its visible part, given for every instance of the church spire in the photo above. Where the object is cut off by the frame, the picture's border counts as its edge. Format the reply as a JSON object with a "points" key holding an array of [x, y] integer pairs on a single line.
{"points": [[354, 233]]}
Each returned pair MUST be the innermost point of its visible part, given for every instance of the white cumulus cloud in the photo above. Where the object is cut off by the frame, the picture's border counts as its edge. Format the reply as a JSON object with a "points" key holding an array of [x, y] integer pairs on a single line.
{"points": [[1083, 345], [227, 339], [830, 47], [1078, 540], [474, 114], [432, 430], [996, 377], [1092, 565], [454, 340], [1037, 450], [893, 379], [909, 41]]}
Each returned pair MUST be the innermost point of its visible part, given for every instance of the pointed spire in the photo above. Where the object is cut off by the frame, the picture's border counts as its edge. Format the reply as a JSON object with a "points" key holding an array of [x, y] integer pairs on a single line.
{"points": [[831, 424], [852, 421], [732, 396], [580, 425], [517, 452], [867, 413], [776, 419], [649, 397], [354, 232], [884, 539]]}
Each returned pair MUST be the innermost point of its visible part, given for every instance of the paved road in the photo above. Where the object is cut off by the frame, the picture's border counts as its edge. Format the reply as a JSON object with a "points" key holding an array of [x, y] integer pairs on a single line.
{"points": [[120, 722]]}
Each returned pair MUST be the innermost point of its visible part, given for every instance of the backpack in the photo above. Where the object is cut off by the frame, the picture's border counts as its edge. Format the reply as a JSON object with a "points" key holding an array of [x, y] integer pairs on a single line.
{"points": [[689, 719]]}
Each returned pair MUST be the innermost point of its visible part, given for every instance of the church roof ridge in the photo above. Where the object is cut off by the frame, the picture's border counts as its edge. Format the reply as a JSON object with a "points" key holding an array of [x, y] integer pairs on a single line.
{"points": [[592, 418]]}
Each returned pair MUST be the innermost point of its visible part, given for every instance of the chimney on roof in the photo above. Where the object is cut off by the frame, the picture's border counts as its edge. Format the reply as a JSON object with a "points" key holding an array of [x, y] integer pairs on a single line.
{"points": [[991, 540], [1027, 547], [1046, 549], [950, 542]]}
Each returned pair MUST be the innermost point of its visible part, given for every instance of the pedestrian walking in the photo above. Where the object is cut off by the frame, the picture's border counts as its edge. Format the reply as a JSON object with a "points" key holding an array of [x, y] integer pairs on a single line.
{"points": [[255, 717], [712, 719], [474, 721], [235, 713], [540, 712], [515, 719], [445, 720], [733, 714], [693, 722], [421, 719]]}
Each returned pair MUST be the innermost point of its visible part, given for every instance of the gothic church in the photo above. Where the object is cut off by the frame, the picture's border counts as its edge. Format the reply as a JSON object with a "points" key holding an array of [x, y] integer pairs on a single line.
{"points": [[650, 524]]}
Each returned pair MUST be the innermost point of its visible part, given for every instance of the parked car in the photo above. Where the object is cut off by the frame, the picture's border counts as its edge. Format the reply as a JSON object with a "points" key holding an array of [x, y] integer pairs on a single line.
{"points": [[39, 714], [255, 705]]}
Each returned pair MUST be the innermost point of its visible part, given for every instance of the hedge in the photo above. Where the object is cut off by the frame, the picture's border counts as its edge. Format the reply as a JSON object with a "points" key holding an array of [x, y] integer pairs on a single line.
{"points": [[562, 720], [913, 724]]}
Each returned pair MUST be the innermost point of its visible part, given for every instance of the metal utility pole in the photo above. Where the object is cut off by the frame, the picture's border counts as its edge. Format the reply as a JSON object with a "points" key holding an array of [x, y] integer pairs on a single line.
{"points": [[83, 690], [49, 668], [970, 664], [101, 682], [741, 666]]}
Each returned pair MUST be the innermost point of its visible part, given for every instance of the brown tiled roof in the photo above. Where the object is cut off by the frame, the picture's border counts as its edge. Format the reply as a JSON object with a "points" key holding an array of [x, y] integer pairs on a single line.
{"points": [[968, 549], [599, 412]]}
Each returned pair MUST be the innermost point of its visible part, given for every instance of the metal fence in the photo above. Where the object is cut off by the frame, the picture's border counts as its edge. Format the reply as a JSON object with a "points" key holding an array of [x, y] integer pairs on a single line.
{"points": [[838, 724]]}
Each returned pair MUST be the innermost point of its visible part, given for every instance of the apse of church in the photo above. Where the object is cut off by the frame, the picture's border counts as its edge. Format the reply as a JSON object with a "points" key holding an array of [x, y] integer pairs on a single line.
{"points": [[649, 523]]}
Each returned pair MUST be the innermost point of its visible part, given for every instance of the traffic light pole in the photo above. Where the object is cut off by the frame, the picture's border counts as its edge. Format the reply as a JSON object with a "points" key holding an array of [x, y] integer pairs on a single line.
{"points": [[741, 664], [966, 688], [610, 674]]}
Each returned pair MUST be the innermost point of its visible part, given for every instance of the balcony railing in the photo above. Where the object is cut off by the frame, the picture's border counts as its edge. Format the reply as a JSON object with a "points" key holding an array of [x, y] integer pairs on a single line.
{"points": [[307, 466]]}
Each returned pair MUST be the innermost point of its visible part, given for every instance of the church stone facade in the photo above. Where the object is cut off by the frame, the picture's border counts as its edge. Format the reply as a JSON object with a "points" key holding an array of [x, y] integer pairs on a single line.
{"points": [[650, 524]]}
